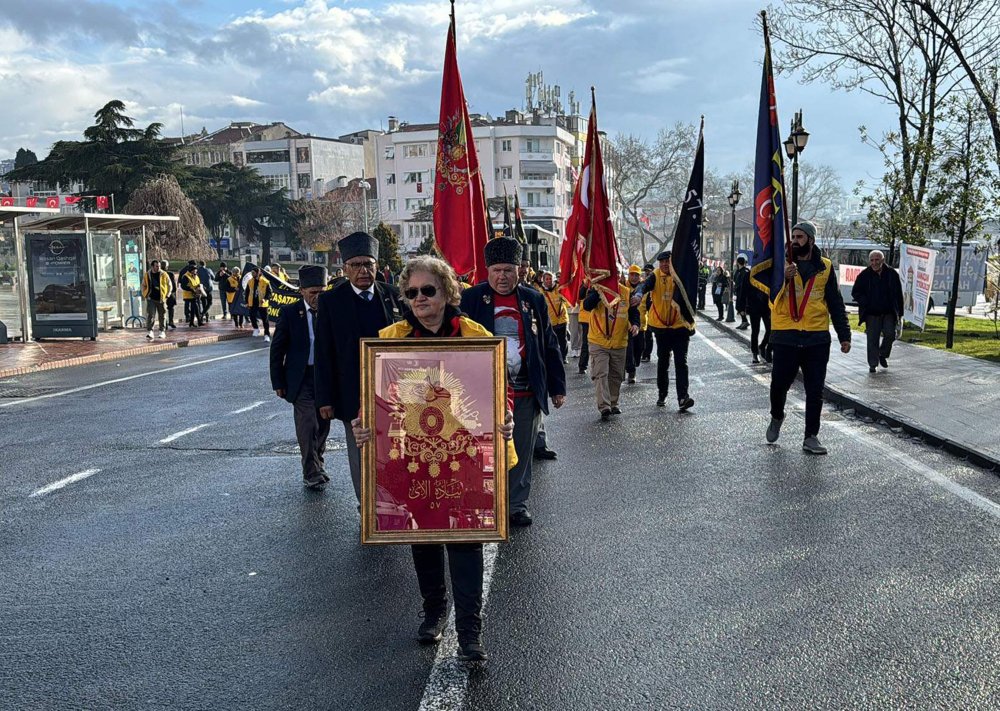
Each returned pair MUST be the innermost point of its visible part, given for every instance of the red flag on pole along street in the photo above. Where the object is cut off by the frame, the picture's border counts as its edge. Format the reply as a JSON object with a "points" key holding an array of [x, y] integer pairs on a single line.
{"points": [[590, 251], [31, 202], [460, 227], [6, 202], [52, 202], [102, 202], [71, 199]]}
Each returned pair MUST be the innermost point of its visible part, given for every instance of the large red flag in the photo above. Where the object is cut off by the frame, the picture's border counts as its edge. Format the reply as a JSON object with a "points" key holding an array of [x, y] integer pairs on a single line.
{"points": [[590, 251], [460, 227]]}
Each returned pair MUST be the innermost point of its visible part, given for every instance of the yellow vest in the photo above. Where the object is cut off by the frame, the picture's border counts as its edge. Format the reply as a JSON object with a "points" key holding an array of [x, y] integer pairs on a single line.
{"points": [[609, 327], [260, 298], [663, 312], [164, 285], [817, 314], [557, 304], [234, 284], [192, 280], [469, 329]]}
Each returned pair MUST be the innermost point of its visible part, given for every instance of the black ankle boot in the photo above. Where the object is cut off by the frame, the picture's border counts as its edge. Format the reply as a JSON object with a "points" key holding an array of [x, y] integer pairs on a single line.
{"points": [[471, 649], [431, 630]]}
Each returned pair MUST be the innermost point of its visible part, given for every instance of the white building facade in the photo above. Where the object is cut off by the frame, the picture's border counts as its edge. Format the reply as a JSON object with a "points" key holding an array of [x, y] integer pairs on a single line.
{"points": [[306, 166]]}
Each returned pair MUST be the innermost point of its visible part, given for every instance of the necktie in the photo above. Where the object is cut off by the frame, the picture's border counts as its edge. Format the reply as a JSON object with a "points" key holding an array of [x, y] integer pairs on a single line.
{"points": [[366, 295]]}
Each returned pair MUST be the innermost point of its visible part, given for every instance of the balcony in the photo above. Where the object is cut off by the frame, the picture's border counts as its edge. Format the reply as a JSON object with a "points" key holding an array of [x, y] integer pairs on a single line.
{"points": [[547, 183], [546, 210], [547, 157]]}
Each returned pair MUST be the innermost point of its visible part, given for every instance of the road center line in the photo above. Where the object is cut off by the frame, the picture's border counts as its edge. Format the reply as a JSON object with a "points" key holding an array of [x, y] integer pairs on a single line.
{"points": [[62, 482], [449, 679], [83, 388], [178, 435], [247, 408], [928, 473]]}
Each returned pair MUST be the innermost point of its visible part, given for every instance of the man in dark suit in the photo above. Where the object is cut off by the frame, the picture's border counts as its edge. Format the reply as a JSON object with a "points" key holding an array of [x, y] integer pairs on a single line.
{"points": [[534, 362], [292, 373], [357, 308]]}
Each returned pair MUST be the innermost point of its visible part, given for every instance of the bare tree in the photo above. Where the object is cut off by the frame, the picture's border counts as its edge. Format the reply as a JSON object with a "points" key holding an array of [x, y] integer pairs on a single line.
{"points": [[163, 196]]}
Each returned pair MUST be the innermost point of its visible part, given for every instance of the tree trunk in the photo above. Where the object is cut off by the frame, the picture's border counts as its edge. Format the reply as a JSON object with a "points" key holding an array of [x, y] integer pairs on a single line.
{"points": [[265, 248]]}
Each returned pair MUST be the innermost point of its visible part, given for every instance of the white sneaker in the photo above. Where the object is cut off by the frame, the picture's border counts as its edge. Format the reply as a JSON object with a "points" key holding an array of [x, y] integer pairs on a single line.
{"points": [[149, 335], [267, 339], [256, 332], [163, 334]]}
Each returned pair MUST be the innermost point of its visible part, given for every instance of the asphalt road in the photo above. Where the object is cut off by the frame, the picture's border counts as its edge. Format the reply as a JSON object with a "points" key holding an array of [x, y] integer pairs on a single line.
{"points": [[677, 561]]}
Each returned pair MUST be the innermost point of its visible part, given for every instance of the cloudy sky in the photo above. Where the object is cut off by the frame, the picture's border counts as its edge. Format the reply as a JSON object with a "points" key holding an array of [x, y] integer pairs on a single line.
{"points": [[332, 66]]}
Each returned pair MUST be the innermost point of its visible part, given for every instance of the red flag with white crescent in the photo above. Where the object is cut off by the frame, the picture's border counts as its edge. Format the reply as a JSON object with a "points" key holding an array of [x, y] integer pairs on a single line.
{"points": [[52, 201]]}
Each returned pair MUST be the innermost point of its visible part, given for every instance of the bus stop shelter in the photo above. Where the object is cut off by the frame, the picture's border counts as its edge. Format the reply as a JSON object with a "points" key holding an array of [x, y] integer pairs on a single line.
{"points": [[115, 248]]}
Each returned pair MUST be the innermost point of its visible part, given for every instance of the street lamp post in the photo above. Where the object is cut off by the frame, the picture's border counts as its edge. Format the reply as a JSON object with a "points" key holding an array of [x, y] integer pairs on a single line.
{"points": [[794, 145], [734, 199]]}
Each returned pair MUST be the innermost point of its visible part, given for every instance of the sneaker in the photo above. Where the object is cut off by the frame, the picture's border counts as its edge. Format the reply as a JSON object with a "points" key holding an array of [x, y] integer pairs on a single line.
{"points": [[256, 332], [163, 334], [871, 369], [173, 326], [812, 445], [317, 484], [755, 361], [471, 650], [631, 380], [773, 430], [431, 630], [616, 410], [149, 335], [267, 339], [605, 415], [661, 402], [685, 404], [884, 362]]}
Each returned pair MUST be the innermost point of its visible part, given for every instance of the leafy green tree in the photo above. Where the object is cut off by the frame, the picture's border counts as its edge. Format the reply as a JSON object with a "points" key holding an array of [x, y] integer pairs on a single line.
{"points": [[24, 157], [429, 246], [388, 248]]}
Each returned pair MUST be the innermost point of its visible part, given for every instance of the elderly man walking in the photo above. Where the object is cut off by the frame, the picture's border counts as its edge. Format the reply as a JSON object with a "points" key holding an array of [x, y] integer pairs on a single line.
{"points": [[878, 293], [534, 362]]}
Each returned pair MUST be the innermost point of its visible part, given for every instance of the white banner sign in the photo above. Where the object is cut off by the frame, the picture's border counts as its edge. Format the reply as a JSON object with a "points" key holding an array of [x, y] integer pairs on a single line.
{"points": [[916, 270], [847, 274]]}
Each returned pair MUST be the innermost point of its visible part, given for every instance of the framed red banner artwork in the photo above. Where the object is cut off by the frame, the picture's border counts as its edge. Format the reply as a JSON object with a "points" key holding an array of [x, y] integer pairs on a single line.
{"points": [[435, 470]]}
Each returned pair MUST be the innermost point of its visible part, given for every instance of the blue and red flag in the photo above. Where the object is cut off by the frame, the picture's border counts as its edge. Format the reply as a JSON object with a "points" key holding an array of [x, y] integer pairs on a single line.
{"points": [[770, 226], [686, 247]]}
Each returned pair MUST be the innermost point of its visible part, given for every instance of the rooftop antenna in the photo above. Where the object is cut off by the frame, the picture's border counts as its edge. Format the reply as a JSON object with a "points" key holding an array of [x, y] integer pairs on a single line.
{"points": [[182, 125]]}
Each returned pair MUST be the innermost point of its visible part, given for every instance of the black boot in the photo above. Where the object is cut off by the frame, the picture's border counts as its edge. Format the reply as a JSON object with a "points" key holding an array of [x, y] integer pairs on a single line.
{"points": [[466, 563], [428, 561]]}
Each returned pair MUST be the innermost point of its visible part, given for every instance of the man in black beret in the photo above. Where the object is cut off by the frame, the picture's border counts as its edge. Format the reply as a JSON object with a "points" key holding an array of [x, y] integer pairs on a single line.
{"points": [[293, 357], [534, 362], [354, 309]]}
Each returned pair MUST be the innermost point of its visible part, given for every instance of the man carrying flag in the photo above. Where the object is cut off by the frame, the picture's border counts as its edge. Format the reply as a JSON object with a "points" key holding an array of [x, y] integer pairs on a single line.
{"points": [[461, 229], [799, 281]]}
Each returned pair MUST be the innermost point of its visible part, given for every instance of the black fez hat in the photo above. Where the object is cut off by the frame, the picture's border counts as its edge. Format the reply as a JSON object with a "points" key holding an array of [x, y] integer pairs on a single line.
{"points": [[647, 266], [741, 259], [311, 275], [665, 254], [503, 250], [358, 244]]}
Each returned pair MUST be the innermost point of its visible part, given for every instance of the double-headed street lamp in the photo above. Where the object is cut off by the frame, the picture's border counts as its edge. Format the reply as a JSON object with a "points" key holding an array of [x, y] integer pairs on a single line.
{"points": [[734, 199], [794, 145]]}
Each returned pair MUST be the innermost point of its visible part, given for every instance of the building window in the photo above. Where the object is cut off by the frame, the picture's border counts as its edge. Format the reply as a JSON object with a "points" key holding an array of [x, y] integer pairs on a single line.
{"points": [[268, 157], [534, 199], [391, 204], [302, 155], [416, 203], [390, 179], [415, 150], [415, 177], [390, 152], [277, 181], [506, 145], [238, 158], [505, 172], [533, 145], [305, 181]]}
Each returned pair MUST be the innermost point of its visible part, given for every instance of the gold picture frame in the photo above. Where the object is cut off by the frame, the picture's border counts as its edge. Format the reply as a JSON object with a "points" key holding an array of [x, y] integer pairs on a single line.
{"points": [[435, 469]]}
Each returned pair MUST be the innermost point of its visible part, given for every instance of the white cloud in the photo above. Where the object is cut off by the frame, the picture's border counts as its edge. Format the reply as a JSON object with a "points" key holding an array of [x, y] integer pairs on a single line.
{"points": [[243, 101]]}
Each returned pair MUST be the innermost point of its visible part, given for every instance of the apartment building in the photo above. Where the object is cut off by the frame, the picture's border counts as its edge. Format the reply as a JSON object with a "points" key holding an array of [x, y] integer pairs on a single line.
{"points": [[535, 156]]}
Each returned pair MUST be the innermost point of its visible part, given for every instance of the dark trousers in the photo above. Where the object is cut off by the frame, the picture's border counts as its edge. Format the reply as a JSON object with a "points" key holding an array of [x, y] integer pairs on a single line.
{"points": [[563, 338], [311, 430], [465, 561], [702, 288], [787, 361], [527, 419], [647, 345], [584, 348], [634, 352], [224, 303], [192, 312], [206, 304], [880, 331], [672, 341], [756, 318], [259, 312], [719, 304], [171, 305]]}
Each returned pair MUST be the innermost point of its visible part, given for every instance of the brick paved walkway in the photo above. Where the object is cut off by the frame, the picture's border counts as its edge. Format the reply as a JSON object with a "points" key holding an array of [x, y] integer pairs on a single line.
{"points": [[21, 358]]}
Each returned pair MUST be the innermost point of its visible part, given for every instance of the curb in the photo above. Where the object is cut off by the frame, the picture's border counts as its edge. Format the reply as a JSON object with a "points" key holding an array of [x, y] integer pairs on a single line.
{"points": [[890, 418], [123, 353]]}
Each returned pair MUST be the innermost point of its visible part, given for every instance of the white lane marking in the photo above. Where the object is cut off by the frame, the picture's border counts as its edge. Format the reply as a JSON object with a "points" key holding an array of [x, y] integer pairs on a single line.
{"points": [[62, 482], [182, 433], [449, 678], [83, 388], [247, 408], [931, 475]]}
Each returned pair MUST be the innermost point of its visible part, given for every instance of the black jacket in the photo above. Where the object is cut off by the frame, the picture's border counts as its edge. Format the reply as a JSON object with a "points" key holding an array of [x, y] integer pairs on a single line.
{"points": [[875, 297], [290, 350], [338, 333], [544, 359], [741, 284]]}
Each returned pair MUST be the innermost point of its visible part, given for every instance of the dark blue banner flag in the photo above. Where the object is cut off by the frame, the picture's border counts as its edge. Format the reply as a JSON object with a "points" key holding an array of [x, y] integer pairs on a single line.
{"points": [[770, 227], [686, 250]]}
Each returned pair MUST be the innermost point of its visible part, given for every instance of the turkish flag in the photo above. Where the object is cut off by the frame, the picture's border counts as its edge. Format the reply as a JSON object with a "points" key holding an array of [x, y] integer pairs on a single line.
{"points": [[52, 202], [460, 226], [102, 202], [6, 202], [71, 199], [31, 202], [590, 251]]}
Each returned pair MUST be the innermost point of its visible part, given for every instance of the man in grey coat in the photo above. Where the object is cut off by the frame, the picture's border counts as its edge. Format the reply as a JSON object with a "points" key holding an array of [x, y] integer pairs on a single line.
{"points": [[879, 296]]}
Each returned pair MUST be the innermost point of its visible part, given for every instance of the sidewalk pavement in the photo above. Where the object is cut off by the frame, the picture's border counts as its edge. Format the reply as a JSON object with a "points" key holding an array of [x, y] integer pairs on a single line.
{"points": [[950, 400], [118, 343]]}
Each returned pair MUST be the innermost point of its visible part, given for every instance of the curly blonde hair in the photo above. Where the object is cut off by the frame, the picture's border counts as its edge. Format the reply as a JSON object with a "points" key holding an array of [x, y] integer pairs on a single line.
{"points": [[438, 268]]}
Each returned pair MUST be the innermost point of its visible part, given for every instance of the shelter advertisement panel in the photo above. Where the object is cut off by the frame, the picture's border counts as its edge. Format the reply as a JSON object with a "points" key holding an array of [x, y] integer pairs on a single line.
{"points": [[61, 295], [433, 472], [916, 270]]}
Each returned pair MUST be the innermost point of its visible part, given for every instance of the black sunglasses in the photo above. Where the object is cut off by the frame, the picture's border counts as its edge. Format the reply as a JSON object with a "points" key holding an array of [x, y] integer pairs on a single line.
{"points": [[427, 290]]}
